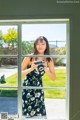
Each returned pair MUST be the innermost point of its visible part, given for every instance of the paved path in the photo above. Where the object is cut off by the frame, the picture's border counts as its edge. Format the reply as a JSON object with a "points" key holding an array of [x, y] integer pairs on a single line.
{"points": [[7, 71], [8, 104], [55, 108]]}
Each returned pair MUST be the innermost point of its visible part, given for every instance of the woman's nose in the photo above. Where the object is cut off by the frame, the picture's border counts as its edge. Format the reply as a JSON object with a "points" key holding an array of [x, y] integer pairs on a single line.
{"points": [[40, 45]]}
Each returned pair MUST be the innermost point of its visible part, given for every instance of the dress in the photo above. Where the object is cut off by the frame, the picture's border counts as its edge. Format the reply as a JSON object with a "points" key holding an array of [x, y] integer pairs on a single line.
{"points": [[33, 99]]}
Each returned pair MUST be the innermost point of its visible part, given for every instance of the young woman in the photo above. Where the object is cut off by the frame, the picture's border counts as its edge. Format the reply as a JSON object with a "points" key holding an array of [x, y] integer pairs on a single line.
{"points": [[33, 99]]}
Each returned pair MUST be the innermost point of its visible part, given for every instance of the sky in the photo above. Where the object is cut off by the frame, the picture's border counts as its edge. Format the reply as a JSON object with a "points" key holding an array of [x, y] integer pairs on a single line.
{"points": [[50, 31], [31, 31]]}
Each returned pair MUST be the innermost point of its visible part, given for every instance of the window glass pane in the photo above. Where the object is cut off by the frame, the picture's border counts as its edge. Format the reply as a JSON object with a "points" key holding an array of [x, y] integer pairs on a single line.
{"points": [[54, 92], [9, 101], [8, 72], [54, 33], [8, 39]]}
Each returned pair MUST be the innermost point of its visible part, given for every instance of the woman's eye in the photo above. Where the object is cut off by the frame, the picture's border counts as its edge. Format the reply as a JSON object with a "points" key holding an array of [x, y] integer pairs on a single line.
{"points": [[41, 44]]}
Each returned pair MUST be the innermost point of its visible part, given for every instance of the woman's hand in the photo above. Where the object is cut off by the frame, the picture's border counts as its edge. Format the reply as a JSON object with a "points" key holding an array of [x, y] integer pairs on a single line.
{"points": [[49, 69], [33, 66], [45, 64]]}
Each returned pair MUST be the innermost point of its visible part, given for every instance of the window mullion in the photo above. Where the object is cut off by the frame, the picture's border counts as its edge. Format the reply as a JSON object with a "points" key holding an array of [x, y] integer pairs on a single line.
{"points": [[52, 56], [8, 56], [49, 87], [19, 73]]}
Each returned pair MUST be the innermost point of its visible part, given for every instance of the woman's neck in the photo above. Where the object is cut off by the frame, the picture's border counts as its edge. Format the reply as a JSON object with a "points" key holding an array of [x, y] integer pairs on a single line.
{"points": [[41, 58], [41, 54]]}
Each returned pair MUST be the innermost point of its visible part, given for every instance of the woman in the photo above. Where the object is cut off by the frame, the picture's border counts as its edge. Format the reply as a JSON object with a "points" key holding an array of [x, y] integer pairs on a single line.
{"points": [[33, 99]]}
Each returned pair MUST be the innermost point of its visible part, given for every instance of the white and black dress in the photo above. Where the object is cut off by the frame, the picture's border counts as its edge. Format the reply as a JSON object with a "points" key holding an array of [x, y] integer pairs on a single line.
{"points": [[33, 99]]}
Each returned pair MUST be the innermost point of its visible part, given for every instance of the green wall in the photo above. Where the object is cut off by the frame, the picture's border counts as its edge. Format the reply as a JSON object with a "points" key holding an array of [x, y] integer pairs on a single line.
{"points": [[37, 9]]}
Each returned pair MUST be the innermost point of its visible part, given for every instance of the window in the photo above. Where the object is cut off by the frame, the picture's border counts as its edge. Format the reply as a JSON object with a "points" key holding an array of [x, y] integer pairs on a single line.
{"points": [[24, 34]]}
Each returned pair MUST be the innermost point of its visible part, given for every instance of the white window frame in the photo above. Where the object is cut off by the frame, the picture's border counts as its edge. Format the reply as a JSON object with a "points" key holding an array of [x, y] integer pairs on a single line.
{"points": [[19, 24]]}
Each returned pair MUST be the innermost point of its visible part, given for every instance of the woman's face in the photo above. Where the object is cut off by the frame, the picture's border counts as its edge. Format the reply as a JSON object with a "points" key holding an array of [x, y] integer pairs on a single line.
{"points": [[41, 46]]}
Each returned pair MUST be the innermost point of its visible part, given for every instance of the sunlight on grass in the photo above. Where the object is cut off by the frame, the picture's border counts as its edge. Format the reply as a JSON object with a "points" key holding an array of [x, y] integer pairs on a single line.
{"points": [[11, 80], [59, 94], [59, 82], [60, 79]]}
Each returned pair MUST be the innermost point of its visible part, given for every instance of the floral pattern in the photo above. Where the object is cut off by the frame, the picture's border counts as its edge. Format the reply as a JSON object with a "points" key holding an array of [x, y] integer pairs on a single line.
{"points": [[33, 99]]}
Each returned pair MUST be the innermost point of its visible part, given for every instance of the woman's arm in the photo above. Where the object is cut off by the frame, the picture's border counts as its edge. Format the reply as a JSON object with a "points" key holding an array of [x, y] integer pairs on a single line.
{"points": [[25, 63], [51, 71]]}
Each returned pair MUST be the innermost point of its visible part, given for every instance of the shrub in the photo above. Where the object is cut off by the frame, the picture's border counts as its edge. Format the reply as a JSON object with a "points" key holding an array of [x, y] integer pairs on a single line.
{"points": [[60, 51], [27, 47]]}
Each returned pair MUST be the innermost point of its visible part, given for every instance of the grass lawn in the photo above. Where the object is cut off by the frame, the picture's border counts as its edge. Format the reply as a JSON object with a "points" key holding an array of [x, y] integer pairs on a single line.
{"points": [[47, 82]]}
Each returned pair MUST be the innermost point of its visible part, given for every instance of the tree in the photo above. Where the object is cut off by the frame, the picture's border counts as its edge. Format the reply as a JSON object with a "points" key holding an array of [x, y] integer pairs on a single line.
{"points": [[1, 39], [27, 47], [1, 35], [60, 51], [11, 37]]}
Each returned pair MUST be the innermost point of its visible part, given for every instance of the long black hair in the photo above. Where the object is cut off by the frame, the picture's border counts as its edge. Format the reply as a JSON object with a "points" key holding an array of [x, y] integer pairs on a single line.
{"points": [[46, 52]]}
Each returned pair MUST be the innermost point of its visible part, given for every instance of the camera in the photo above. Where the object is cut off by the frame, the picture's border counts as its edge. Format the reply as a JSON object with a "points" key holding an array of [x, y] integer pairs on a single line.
{"points": [[39, 62], [40, 66]]}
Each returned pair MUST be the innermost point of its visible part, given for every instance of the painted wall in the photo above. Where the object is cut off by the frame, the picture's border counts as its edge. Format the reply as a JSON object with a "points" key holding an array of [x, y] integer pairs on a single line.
{"points": [[31, 9]]}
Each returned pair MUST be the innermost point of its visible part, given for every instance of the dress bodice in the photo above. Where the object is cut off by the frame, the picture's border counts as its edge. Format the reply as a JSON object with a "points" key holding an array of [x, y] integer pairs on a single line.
{"points": [[34, 78], [37, 72]]}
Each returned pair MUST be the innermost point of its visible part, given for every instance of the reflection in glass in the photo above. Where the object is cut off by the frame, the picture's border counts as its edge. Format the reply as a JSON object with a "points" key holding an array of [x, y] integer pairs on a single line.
{"points": [[8, 72], [8, 40]]}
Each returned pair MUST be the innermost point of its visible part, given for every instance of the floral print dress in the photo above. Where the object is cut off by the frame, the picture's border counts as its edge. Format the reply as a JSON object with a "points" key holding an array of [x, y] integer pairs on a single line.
{"points": [[33, 99]]}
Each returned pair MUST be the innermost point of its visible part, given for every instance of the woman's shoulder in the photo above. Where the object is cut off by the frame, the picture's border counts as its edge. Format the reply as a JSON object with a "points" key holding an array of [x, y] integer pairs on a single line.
{"points": [[28, 55]]}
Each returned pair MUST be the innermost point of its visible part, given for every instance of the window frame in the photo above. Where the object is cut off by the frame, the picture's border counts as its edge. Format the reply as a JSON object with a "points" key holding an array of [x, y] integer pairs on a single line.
{"points": [[19, 24]]}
